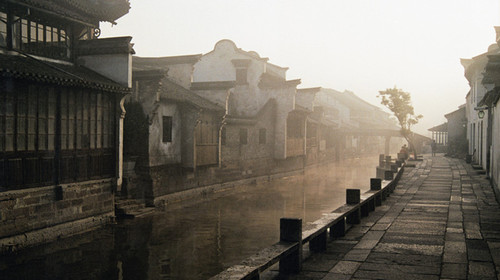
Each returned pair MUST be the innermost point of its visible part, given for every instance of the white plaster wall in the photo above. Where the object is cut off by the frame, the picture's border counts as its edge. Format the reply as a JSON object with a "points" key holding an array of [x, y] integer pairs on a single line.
{"points": [[477, 93], [285, 100], [218, 97], [218, 66], [306, 99], [165, 153], [328, 100], [276, 70], [246, 100], [117, 67], [181, 74], [495, 153]]}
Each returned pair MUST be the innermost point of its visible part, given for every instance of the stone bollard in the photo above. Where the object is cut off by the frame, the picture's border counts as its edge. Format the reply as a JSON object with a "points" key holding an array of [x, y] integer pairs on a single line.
{"points": [[388, 162], [380, 172], [376, 185], [394, 168], [388, 175], [353, 197], [291, 231]]}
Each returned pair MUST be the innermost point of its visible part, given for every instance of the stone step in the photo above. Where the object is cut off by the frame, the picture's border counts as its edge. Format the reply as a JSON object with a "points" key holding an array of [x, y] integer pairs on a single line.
{"points": [[477, 166], [130, 208]]}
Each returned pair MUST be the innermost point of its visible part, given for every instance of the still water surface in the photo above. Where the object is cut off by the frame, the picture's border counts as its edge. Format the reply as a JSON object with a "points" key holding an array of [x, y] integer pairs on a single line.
{"points": [[194, 239]]}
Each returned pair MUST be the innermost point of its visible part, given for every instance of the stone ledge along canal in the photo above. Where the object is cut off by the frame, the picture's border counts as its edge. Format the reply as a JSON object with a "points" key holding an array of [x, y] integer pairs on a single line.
{"points": [[194, 239]]}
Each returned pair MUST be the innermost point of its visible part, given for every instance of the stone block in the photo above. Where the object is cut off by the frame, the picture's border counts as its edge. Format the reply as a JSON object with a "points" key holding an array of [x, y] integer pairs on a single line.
{"points": [[291, 231], [388, 175], [353, 196], [394, 168], [375, 184]]}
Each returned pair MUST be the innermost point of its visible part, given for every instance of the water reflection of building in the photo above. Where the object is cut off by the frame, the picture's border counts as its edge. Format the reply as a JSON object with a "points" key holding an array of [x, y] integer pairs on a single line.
{"points": [[59, 116]]}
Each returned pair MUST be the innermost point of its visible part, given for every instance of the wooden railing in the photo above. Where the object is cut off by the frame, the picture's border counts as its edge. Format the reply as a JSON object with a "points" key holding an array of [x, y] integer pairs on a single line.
{"points": [[288, 251]]}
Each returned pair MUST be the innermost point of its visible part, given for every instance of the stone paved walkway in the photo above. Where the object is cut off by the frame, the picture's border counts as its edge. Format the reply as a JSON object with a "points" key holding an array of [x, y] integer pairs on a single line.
{"points": [[441, 222]]}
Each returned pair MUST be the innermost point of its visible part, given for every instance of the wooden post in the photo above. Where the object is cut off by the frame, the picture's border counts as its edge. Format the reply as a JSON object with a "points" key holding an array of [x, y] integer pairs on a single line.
{"points": [[291, 231]]}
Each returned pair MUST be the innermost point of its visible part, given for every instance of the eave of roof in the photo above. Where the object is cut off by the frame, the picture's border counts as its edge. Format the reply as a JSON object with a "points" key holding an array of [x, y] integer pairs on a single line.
{"points": [[271, 81], [309, 90], [439, 128], [138, 61], [218, 85], [64, 74], [458, 111], [89, 11], [171, 90]]}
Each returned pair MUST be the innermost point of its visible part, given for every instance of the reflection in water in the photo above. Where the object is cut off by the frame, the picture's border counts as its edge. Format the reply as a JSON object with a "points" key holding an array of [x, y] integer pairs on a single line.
{"points": [[194, 239]]}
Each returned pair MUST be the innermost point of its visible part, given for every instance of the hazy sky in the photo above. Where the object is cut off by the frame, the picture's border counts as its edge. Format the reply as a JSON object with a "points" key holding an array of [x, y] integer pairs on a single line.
{"points": [[359, 45]]}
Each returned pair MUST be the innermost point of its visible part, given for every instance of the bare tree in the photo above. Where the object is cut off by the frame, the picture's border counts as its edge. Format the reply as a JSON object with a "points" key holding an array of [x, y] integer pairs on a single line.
{"points": [[399, 102]]}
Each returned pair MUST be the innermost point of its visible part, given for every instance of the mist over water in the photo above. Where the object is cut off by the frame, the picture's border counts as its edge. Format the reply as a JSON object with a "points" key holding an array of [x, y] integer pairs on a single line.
{"points": [[196, 239]]}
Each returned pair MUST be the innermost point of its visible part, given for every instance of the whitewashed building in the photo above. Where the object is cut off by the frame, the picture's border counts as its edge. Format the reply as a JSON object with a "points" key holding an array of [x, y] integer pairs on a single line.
{"points": [[477, 114]]}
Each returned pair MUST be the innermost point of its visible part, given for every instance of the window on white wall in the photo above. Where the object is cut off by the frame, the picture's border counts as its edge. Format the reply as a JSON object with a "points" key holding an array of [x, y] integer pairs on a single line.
{"points": [[167, 129]]}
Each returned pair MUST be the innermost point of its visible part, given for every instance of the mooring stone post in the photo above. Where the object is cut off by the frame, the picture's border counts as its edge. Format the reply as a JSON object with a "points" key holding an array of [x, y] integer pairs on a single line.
{"points": [[381, 160], [394, 168], [376, 185], [388, 161], [388, 175], [353, 196], [291, 231]]}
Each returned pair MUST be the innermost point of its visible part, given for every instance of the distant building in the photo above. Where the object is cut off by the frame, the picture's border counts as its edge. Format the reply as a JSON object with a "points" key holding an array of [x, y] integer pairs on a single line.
{"points": [[59, 117], [169, 130], [476, 126], [440, 134], [489, 106], [263, 128], [457, 132]]}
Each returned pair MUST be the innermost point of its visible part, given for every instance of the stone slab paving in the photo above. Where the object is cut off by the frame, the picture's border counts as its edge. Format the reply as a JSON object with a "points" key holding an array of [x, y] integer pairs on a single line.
{"points": [[441, 222]]}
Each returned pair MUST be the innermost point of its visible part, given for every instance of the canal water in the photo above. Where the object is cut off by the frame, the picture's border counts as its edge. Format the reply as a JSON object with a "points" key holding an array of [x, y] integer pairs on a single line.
{"points": [[194, 239]]}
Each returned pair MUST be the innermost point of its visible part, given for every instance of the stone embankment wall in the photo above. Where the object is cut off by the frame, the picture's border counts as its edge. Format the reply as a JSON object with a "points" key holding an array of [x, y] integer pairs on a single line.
{"points": [[36, 215]]}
